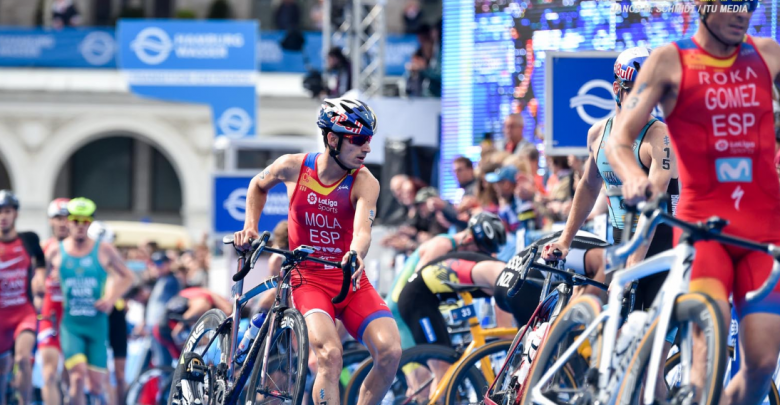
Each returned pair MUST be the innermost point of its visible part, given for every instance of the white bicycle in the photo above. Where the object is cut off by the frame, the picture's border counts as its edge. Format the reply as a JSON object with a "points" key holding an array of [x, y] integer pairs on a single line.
{"points": [[585, 332]]}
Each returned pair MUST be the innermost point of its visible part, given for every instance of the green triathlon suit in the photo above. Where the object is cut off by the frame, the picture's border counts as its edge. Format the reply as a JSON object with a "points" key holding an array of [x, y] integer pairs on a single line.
{"points": [[84, 329], [407, 340]]}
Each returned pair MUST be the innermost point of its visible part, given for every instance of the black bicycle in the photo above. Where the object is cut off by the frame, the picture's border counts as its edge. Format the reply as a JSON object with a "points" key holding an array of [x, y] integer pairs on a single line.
{"points": [[274, 368]]}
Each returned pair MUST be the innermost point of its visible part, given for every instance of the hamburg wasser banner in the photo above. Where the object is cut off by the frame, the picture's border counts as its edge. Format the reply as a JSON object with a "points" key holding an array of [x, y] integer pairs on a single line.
{"points": [[211, 62]]}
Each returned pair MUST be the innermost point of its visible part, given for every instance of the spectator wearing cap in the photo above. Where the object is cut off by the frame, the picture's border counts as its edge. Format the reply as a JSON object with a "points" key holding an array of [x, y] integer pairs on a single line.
{"points": [[516, 212], [165, 288]]}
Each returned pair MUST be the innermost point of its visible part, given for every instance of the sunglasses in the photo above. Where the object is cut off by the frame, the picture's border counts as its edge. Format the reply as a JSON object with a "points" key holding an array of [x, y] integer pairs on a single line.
{"points": [[358, 140], [79, 219]]}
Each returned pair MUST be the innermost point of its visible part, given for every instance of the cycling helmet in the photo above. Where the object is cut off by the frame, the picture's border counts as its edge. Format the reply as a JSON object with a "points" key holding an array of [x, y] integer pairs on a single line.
{"points": [[58, 207], [345, 116], [99, 230], [8, 199], [627, 67], [488, 231], [83, 207]]}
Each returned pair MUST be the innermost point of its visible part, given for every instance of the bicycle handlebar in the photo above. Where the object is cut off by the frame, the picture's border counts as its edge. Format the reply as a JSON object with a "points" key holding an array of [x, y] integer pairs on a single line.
{"points": [[298, 255], [700, 231]]}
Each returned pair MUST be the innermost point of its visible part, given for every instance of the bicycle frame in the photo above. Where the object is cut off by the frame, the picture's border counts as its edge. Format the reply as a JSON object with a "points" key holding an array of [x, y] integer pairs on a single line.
{"points": [[679, 261], [479, 334]]}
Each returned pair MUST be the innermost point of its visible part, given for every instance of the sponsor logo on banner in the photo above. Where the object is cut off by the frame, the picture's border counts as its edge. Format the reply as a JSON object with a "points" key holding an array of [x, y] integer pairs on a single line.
{"points": [[153, 45], [98, 48], [26, 46], [583, 98], [235, 204], [235, 122], [734, 170]]}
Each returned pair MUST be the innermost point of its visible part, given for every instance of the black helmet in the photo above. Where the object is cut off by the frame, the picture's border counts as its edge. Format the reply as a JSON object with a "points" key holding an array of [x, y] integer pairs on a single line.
{"points": [[177, 305], [8, 199], [488, 231]]}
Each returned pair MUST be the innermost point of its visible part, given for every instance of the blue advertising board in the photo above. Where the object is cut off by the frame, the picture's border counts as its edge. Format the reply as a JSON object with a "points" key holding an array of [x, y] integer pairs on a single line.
{"points": [[211, 62], [578, 94], [230, 204], [66, 48]]}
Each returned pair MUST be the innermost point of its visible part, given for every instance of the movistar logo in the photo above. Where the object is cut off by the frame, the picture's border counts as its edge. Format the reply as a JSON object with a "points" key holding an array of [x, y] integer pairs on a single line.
{"points": [[731, 170]]}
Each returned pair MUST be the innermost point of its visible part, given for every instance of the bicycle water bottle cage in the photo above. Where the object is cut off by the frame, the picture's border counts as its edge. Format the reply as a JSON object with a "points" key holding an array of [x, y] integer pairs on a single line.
{"points": [[716, 224]]}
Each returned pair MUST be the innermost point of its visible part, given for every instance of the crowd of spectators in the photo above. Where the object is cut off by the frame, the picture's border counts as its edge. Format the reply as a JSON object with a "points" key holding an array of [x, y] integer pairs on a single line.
{"points": [[509, 181]]}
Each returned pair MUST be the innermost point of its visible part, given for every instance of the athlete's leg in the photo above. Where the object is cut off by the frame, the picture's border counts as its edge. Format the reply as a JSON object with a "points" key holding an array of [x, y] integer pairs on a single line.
{"points": [[384, 343], [325, 342], [51, 375], [6, 365], [97, 379], [23, 348], [594, 269], [78, 378], [759, 333]]}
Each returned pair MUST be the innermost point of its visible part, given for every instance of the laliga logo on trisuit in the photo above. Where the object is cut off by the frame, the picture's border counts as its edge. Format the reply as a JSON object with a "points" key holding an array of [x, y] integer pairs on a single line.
{"points": [[324, 203]]}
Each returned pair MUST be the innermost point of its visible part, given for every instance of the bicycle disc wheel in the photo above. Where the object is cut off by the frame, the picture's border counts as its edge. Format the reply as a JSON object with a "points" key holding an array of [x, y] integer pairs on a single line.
{"points": [[494, 353], [150, 388], [413, 376], [674, 361], [569, 384], [286, 365], [210, 342], [694, 308]]}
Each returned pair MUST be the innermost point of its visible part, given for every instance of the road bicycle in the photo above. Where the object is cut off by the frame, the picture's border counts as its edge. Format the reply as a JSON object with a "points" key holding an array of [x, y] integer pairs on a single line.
{"points": [[276, 363], [510, 382], [616, 374]]}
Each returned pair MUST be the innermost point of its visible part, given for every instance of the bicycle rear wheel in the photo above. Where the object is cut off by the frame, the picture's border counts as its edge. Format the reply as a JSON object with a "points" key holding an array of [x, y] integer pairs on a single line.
{"points": [[413, 375], [209, 341], [691, 308], [286, 365], [494, 353]]}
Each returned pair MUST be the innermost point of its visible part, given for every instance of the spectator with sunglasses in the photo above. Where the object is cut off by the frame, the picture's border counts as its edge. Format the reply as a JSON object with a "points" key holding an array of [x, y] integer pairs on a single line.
{"points": [[332, 208], [84, 266]]}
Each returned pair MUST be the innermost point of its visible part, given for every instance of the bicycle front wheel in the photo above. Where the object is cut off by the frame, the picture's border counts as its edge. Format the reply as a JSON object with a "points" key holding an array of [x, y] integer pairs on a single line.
{"points": [[150, 388], [674, 361], [494, 353], [284, 379], [568, 386], [693, 309]]}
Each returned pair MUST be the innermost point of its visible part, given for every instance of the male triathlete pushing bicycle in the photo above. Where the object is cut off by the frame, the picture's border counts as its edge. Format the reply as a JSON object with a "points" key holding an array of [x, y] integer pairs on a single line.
{"points": [[332, 208]]}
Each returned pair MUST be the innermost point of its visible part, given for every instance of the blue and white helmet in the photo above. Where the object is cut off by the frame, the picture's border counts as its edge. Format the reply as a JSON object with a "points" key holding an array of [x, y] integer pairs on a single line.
{"points": [[347, 116], [628, 64]]}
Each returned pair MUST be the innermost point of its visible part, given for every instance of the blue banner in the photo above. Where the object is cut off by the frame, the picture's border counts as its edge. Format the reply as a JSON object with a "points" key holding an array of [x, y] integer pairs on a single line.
{"points": [[67, 48], [210, 62], [398, 51], [230, 205], [579, 90]]}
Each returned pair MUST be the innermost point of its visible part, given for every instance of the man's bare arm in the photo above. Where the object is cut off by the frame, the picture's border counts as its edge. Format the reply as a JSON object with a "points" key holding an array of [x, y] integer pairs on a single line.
{"points": [[117, 268], [278, 172], [663, 167], [365, 213], [651, 86]]}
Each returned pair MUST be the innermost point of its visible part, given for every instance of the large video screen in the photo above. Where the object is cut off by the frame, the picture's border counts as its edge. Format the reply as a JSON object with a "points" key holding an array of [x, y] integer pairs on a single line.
{"points": [[507, 53]]}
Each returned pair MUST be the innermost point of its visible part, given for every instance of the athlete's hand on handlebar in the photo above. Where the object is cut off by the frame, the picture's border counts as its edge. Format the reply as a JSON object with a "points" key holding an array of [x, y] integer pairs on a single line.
{"points": [[547, 251], [358, 270], [243, 239], [638, 188]]}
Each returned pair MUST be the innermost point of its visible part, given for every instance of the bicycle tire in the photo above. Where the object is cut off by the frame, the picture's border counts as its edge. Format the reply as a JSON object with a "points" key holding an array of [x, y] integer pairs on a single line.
{"points": [[418, 354], [691, 307], [135, 388], [463, 369], [580, 312], [291, 320], [210, 321], [773, 395]]}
